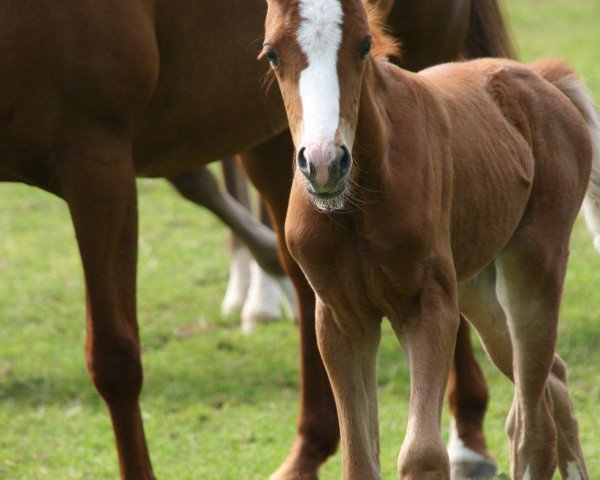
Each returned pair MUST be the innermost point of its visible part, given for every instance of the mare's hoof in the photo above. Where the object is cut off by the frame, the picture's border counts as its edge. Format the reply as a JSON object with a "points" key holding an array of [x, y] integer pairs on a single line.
{"points": [[478, 470], [263, 303]]}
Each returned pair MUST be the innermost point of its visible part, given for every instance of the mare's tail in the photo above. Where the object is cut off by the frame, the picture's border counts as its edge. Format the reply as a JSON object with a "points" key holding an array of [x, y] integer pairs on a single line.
{"points": [[560, 74], [488, 34]]}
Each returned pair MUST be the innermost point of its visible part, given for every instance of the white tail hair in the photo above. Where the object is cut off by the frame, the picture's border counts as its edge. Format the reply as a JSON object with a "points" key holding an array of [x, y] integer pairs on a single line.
{"points": [[572, 86]]}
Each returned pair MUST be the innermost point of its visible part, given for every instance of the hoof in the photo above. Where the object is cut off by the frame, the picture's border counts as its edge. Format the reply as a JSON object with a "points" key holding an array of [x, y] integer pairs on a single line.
{"points": [[480, 470], [466, 463]]}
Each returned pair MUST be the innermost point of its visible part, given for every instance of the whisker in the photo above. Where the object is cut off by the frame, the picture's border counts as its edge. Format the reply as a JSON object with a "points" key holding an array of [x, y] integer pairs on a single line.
{"points": [[267, 81], [254, 42]]}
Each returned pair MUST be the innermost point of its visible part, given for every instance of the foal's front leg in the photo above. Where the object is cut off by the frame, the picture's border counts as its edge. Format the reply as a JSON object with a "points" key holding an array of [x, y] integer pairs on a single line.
{"points": [[349, 350], [428, 334]]}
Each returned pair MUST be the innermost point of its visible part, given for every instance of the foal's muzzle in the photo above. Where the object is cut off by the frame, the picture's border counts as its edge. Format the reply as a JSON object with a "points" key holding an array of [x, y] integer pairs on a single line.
{"points": [[325, 172]]}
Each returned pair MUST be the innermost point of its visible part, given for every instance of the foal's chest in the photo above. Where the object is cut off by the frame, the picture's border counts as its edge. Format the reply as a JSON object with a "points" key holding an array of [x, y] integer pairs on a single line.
{"points": [[355, 273]]}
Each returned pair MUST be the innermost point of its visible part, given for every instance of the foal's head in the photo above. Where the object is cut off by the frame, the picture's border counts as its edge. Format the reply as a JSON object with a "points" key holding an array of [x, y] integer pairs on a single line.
{"points": [[318, 50]]}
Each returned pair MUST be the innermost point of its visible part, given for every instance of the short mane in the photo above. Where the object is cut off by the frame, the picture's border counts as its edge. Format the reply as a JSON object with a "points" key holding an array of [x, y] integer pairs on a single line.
{"points": [[384, 45]]}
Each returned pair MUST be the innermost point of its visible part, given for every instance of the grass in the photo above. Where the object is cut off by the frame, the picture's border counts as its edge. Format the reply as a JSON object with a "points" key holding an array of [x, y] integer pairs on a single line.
{"points": [[217, 404]]}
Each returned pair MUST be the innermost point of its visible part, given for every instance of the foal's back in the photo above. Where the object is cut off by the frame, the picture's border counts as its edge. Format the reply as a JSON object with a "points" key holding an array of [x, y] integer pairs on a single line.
{"points": [[510, 162]]}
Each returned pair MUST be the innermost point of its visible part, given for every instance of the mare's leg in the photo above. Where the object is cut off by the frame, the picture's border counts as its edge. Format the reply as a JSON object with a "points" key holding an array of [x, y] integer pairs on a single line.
{"points": [[468, 399], [239, 268], [269, 167], [428, 334], [479, 301], [250, 287], [266, 294], [349, 347], [251, 290], [200, 186], [96, 178]]}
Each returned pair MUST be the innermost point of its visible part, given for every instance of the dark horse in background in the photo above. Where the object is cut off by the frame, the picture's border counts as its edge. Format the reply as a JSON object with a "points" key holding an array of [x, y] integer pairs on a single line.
{"points": [[94, 94]]}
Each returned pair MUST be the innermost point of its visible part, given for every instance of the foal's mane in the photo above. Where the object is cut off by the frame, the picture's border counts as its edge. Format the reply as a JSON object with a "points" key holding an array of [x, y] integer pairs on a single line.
{"points": [[384, 45]]}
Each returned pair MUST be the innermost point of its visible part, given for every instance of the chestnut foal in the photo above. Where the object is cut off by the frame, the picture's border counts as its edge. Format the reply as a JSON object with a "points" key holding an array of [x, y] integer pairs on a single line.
{"points": [[426, 197]]}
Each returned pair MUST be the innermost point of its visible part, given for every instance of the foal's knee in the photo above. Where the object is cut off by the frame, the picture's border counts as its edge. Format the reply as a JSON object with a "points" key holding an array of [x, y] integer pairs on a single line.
{"points": [[115, 367], [424, 461]]}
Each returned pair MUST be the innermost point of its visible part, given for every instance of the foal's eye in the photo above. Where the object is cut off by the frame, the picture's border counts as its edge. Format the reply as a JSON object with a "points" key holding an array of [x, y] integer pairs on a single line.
{"points": [[365, 48], [272, 56]]}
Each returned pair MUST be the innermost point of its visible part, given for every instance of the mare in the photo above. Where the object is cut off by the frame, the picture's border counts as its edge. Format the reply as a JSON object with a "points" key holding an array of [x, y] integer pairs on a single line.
{"points": [[427, 198], [96, 93]]}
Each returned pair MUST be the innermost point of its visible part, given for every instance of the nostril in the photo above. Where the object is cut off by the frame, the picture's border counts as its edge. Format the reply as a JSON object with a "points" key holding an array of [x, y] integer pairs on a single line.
{"points": [[302, 162], [302, 159], [345, 161]]}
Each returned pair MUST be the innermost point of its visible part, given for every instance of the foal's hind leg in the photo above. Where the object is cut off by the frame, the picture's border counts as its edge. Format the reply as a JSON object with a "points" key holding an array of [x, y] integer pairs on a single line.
{"points": [[529, 289], [97, 180], [478, 299], [570, 456]]}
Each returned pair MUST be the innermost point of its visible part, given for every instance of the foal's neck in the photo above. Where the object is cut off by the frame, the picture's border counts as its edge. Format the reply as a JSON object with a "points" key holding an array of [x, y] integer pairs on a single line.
{"points": [[374, 130]]}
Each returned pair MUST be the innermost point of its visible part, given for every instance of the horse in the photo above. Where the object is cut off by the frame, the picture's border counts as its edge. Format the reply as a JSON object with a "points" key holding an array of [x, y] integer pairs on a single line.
{"points": [[427, 198], [425, 44], [431, 32], [256, 292], [96, 94]]}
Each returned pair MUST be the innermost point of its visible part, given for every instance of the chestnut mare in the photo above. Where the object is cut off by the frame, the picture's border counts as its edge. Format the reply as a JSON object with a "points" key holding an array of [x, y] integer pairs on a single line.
{"points": [[423, 198], [99, 92]]}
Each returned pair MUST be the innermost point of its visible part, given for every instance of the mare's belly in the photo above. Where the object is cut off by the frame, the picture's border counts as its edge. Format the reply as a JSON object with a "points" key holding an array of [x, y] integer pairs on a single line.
{"points": [[212, 98]]}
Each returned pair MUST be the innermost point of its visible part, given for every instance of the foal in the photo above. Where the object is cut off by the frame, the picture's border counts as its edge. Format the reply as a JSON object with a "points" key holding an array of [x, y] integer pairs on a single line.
{"points": [[424, 197]]}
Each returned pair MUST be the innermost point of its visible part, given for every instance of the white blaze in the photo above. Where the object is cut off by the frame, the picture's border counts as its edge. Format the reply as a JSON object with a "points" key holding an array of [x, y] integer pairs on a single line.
{"points": [[319, 36]]}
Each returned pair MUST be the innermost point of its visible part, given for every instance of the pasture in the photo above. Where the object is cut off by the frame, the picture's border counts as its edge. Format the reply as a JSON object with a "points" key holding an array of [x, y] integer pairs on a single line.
{"points": [[217, 404]]}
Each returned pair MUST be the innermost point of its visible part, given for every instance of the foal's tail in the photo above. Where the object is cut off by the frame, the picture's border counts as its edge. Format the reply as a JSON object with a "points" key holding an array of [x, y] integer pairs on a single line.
{"points": [[488, 34], [560, 75]]}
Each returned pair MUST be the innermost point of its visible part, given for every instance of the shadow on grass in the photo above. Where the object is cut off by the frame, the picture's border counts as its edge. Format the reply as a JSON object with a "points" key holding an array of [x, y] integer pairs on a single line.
{"points": [[212, 367]]}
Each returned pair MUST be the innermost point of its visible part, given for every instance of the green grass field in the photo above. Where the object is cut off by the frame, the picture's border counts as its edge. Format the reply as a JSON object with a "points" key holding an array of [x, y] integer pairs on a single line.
{"points": [[219, 405]]}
